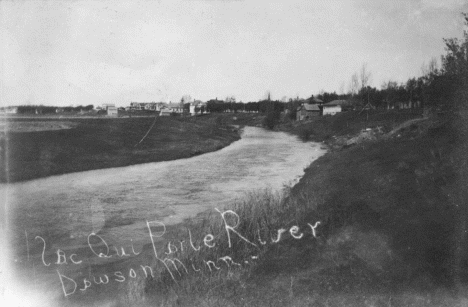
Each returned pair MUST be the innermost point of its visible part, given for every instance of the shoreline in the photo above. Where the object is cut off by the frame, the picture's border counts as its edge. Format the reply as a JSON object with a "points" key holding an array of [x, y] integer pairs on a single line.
{"points": [[108, 143]]}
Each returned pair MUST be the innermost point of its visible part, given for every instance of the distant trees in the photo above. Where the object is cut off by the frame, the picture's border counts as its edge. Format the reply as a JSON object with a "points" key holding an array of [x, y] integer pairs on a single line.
{"points": [[41, 109]]}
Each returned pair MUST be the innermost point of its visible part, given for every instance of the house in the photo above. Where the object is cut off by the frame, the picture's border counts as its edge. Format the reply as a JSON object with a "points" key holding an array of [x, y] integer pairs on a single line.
{"points": [[330, 108], [197, 107], [160, 105], [112, 111], [106, 105], [165, 112], [176, 108], [150, 106], [307, 111]]}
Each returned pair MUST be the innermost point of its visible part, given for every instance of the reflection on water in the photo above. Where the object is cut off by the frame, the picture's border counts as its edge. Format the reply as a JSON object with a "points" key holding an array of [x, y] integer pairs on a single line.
{"points": [[65, 209]]}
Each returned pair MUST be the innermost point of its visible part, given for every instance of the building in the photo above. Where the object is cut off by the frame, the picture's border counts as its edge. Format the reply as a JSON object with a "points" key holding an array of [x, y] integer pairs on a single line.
{"points": [[165, 112], [330, 108], [197, 107], [176, 108], [307, 111], [10, 110], [112, 111], [106, 105]]}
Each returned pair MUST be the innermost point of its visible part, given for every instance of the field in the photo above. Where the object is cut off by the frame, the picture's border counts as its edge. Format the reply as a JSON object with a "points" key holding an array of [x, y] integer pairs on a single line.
{"points": [[35, 147]]}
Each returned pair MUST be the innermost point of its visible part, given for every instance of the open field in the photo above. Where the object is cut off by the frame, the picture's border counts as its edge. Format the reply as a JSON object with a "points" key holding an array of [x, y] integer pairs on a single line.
{"points": [[37, 147]]}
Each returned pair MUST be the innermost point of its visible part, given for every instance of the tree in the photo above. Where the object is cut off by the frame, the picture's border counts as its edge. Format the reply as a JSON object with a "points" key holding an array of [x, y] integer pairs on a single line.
{"points": [[364, 76], [354, 85], [455, 70]]}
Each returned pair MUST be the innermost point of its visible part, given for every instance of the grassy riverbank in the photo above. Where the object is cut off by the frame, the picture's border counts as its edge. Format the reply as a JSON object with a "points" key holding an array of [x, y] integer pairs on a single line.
{"points": [[389, 206], [76, 145]]}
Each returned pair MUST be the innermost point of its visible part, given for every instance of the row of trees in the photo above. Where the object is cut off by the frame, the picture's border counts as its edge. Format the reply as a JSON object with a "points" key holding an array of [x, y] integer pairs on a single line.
{"points": [[34, 109], [261, 106]]}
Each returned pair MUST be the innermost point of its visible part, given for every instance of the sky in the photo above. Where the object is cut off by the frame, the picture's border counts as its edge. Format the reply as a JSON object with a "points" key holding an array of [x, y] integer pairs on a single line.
{"points": [[66, 53]]}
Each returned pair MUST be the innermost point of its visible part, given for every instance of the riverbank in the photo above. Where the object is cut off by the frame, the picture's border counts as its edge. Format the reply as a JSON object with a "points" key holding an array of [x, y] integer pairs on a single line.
{"points": [[32, 151], [389, 206]]}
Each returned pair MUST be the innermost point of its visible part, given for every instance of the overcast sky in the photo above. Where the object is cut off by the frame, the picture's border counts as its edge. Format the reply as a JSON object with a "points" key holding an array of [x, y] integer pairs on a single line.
{"points": [[94, 52]]}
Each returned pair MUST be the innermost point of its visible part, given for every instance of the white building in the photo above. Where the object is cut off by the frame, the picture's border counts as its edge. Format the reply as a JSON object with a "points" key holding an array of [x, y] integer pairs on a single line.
{"points": [[112, 111], [330, 108]]}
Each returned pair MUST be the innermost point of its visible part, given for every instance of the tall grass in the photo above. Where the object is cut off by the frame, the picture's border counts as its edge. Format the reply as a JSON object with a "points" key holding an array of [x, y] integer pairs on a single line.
{"points": [[258, 216]]}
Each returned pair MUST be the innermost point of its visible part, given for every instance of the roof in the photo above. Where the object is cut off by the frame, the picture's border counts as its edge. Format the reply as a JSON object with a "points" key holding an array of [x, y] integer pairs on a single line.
{"points": [[174, 105], [314, 100], [311, 107], [337, 103]]}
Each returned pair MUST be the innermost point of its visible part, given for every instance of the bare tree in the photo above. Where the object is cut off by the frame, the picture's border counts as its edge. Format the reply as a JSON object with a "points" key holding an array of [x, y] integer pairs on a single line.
{"points": [[431, 68], [342, 88], [364, 76], [231, 98], [354, 85]]}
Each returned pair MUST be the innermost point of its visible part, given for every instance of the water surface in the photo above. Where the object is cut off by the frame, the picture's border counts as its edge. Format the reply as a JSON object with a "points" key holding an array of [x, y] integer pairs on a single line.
{"points": [[117, 202]]}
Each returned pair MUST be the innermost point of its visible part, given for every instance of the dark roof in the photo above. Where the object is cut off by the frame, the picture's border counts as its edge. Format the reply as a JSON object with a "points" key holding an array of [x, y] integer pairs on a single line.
{"points": [[314, 100], [337, 103], [311, 107]]}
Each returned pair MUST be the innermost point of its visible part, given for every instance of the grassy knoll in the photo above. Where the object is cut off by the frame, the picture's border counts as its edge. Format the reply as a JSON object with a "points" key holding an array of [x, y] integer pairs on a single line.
{"points": [[103, 143], [388, 234], [346, 124]]}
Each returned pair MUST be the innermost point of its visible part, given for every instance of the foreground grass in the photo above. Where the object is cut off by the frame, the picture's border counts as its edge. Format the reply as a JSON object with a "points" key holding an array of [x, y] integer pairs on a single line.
{"points": [[103, 143], [387, 235]]}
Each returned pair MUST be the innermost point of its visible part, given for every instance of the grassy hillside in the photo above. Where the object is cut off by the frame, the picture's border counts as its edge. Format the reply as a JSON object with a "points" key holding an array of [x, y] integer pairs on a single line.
{"points": [[388, 234], [103, 143]]}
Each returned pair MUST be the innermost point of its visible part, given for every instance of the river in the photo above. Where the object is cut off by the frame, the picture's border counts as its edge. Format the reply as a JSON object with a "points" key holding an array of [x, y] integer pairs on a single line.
{"points": [[116, 203]]}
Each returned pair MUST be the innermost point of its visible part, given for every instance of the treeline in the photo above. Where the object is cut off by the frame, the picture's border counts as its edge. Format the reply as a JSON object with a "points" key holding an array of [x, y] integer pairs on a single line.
{"points": [[442, 85], [40, 109], [261, 106]]}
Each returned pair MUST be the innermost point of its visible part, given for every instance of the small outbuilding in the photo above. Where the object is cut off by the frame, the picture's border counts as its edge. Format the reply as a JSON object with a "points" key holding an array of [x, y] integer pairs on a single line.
{"points": [[307, 111]]}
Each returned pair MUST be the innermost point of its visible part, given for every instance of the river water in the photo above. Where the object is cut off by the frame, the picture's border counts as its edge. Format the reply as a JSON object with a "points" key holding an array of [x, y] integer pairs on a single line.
{"points": [[116, 203]]}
